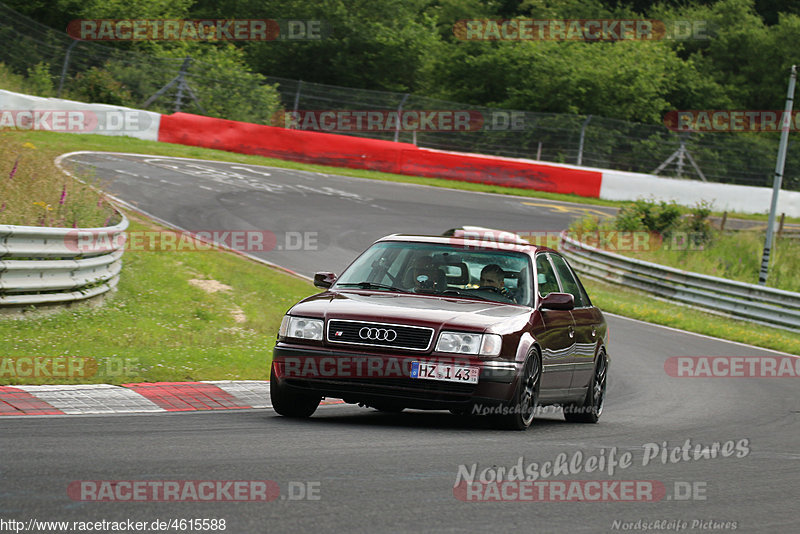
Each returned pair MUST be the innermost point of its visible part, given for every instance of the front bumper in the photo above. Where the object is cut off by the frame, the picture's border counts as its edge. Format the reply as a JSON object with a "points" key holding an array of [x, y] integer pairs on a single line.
{"points": [[372, 377]]}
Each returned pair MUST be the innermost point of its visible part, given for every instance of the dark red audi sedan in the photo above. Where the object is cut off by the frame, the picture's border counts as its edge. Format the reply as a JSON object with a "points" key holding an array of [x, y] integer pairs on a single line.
{"points": [[459, 322]]}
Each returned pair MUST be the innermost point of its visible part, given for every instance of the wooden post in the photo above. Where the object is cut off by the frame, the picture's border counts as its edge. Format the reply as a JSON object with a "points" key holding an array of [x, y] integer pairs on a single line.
{"points": [[724, 220]]}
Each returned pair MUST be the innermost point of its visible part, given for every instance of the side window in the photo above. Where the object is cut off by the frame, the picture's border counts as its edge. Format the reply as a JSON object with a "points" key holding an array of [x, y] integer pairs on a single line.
{"points": [[545, 276], [569, 282]]}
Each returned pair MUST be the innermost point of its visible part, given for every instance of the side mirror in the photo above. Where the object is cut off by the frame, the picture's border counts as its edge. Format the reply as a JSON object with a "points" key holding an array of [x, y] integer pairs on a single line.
{"points": [[324, 280], [557, 301]]}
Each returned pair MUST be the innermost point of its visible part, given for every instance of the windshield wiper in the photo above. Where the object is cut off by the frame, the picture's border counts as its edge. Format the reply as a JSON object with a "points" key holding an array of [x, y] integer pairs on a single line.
{"points": [[371, 285]]}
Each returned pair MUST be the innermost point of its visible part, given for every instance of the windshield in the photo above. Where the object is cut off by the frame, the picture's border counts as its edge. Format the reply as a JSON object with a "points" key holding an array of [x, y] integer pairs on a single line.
{"points": [[495, 275]]}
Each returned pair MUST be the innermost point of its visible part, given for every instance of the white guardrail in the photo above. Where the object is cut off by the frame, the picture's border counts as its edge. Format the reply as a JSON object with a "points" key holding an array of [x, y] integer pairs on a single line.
{"points": [[759, 304], [40, 265]]}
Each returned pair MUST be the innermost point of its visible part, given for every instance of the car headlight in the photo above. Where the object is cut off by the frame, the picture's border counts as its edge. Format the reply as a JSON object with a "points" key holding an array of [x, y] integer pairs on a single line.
{"points": [[462, 343], [301, 328]]}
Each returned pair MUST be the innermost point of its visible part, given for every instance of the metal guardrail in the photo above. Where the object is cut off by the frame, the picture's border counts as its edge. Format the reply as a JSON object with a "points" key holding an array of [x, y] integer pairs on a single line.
{"points": [[41, 265], [755, 303]]}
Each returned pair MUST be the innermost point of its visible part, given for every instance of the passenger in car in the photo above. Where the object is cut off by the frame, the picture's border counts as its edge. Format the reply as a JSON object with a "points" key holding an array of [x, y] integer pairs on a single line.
{"points": [[493, 276], [426, 276]]}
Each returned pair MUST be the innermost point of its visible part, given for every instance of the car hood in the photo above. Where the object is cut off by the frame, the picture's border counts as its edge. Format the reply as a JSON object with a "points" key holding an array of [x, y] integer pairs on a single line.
{"points": [[420, 310]]}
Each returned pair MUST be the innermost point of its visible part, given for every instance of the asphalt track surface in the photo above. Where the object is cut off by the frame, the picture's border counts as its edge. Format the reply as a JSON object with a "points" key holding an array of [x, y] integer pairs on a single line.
{"points": [[375, 472]]}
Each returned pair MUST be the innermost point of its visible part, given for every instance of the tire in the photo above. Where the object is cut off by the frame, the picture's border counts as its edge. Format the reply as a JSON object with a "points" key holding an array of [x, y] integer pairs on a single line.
{"points": [[522, 406], [289, 403], [592, 407]]}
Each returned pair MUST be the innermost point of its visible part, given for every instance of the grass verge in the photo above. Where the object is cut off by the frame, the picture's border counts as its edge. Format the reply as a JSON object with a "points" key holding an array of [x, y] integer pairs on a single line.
{"points": [[33, 192], [736, 256], [684, 239], [160, 326]]}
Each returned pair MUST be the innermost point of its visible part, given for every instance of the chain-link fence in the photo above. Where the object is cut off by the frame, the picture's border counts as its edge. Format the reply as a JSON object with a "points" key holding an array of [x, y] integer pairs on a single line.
{"points": [[93, 72], [730, 157], [58, 65]]}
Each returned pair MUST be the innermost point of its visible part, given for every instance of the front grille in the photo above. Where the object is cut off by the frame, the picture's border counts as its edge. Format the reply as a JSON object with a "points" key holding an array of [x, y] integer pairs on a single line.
{"points": [[380, 334]]}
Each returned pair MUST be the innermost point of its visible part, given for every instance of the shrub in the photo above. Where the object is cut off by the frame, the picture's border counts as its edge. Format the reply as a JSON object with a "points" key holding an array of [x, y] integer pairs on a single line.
{"points": [[662, 217], [99, 86], [39, 82], [11, 81], [697, 225]]}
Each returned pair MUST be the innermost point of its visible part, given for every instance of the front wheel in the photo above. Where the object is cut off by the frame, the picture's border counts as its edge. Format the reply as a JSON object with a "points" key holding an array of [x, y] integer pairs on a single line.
{"points": [[592, 407], [518, 414], [289, 403]]}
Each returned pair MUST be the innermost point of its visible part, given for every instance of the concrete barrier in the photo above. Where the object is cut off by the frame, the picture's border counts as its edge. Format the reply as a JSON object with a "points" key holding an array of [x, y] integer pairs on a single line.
{"points": [[619, 185], [28, 112], [373, 154]]}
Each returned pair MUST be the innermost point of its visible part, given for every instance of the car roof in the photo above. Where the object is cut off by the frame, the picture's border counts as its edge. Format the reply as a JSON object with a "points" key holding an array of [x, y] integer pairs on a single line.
{"points": [[467, 243]]}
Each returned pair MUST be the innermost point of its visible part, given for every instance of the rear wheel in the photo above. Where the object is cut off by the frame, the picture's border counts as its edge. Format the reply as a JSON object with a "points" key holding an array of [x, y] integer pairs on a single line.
{"points": [[592, 407], [289, 403], [518, 413]]}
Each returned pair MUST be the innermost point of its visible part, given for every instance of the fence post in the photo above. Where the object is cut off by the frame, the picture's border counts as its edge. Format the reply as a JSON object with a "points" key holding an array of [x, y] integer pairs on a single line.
{"points": [[786, 123], [583, 135], [64, 67], [399, 113], [297, 96], [181, 83], [681, 152]]}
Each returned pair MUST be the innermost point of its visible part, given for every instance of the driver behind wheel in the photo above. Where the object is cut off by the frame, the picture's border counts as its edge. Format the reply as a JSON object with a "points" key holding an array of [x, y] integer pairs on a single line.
{"points": [[493, 277]]}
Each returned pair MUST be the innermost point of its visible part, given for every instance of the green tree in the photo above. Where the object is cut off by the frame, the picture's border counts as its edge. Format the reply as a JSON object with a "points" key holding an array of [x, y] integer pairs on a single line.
{"points": [[374, 44]]}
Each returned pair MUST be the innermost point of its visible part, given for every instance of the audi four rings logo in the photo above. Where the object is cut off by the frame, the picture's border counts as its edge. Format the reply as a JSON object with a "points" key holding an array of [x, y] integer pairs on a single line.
{"points": [[377, 334]]}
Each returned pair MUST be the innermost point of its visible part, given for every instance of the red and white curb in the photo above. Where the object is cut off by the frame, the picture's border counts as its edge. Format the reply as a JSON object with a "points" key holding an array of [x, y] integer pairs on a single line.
{"points": [[145, 397]]}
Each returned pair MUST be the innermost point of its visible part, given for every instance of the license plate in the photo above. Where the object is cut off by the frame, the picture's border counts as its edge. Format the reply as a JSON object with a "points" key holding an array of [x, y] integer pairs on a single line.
{"points": [[445, 372]]}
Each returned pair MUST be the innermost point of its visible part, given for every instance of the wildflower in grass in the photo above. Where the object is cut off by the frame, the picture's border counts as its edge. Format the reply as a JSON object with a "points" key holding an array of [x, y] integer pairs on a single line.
{"points": [[14, 170], [3, 207], [63, 196], [29, 145], [43, 205]]}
